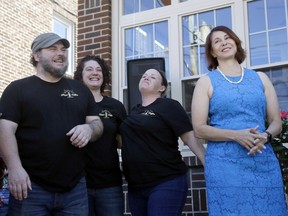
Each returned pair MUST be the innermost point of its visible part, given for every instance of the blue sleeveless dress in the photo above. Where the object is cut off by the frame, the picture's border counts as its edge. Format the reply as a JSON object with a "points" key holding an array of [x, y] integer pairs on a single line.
{"points": [[239, 184]]}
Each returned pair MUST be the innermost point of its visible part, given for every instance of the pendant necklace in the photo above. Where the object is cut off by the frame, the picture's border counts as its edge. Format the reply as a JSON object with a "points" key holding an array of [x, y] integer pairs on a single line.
{"points": [[230, 81]]}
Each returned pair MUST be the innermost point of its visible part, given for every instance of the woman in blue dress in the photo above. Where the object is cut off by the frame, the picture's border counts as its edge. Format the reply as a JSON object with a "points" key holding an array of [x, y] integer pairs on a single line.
{"points": [[229, 109]]}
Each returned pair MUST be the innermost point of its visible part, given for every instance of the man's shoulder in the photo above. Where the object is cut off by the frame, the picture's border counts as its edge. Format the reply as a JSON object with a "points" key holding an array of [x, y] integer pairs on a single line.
{"points": [[20, 82], [25, 79]]}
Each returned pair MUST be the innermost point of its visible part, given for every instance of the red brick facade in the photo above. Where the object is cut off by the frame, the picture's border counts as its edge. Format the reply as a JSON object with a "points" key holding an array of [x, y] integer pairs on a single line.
{"points": [[94, 30]]}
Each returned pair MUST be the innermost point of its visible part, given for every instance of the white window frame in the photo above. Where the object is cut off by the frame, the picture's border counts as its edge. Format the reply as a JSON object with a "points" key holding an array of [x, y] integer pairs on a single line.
{"points": [[70, 32]]}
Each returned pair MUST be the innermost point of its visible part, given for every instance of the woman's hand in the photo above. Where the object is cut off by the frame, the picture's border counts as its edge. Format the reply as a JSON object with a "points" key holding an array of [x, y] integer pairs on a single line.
{"points": [[259, 143], [251, 139]]}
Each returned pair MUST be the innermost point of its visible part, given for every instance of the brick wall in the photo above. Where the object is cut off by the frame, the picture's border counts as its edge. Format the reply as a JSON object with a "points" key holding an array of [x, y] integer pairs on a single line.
{"points": [[94, 30], [20, 22], [196, 198]]}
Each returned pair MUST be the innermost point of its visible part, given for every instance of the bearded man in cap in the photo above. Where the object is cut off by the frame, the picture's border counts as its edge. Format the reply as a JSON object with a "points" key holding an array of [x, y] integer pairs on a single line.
{"points": [[46, 121]]}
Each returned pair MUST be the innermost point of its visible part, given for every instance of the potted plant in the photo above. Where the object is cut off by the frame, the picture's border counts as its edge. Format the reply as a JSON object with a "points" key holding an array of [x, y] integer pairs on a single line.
{"points": [[281, 151]]}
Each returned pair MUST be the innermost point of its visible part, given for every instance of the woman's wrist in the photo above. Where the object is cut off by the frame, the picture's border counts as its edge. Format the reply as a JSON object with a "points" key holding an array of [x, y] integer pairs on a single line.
{"points": [[269, 136]]}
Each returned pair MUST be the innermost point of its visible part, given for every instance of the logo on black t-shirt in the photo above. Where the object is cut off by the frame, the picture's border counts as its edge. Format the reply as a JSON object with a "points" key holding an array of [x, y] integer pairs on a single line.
{"points": [[105, 114], [148, 112], [69, 94]]}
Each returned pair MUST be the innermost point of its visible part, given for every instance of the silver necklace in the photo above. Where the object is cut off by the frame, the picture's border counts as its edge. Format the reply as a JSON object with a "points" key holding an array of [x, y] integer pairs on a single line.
{"points": [[230, 81]]}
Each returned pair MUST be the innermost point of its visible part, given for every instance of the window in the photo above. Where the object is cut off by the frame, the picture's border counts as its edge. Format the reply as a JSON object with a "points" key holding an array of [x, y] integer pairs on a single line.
{"points": [[268, 43], [195, 29], [268, 35], [135, 6], [279, 78], [146, 41], [65, 29]]}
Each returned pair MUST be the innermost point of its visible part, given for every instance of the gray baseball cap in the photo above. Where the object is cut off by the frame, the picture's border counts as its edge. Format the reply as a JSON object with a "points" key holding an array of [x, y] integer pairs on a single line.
{"points": [[46, 40]]}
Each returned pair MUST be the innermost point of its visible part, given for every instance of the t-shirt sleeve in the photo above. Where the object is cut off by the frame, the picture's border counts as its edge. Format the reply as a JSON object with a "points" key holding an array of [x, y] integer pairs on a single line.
{"points": [[120, 112], [10, 104], [175, 116]]}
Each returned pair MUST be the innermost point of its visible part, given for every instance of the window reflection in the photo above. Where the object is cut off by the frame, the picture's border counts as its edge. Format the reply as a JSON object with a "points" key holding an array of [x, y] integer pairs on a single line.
{"points": [[135, 6], [147, 41], [276, 8], [188, 86], [278, 46], [258, 49], [195, 29], [279, 78], [268, 42], [256, 9], [268, 35]]}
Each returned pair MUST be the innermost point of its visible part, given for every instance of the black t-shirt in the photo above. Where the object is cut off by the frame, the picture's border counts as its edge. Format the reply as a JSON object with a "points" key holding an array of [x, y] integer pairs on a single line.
{"points": [[102, 160], [45, 112], [150, 143]]}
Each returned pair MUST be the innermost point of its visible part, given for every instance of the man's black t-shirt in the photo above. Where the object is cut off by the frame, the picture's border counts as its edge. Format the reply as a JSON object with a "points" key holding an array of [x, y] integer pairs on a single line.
{"points": [[45, 112]]}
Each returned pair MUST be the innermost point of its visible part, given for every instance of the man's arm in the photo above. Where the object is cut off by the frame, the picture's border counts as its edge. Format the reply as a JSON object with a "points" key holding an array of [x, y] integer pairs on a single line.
{"points": [[90, 131], [19, 181], [96, 126]]}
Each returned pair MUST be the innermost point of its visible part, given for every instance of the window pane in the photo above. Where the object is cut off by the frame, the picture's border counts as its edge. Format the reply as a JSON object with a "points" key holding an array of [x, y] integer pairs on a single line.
{"points": [[147, 5], [258, 49], [187, 29], [161, 39], [129, 45], [221, 17], [60, 29], [256, 9], [188, 86], [206, 18], [203, 63], [190, 57], [148, 41], [278, 46], [268, 35], [131, 6], [144, 39], [65, 29], [276, 8], [279, 78], [135, 6]]}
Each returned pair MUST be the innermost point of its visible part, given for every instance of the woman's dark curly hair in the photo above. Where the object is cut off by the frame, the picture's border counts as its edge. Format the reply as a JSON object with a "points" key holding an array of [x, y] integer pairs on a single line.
{"points": [[105, 70], [211, 60]]}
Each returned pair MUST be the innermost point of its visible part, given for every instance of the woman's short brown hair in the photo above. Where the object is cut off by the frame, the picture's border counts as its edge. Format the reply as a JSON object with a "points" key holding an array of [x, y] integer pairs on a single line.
{"points": [[211, 60]]}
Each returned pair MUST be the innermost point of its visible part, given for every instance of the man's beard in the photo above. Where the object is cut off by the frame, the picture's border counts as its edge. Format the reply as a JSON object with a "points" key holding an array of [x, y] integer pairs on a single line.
{"points": [[48, 67]]}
